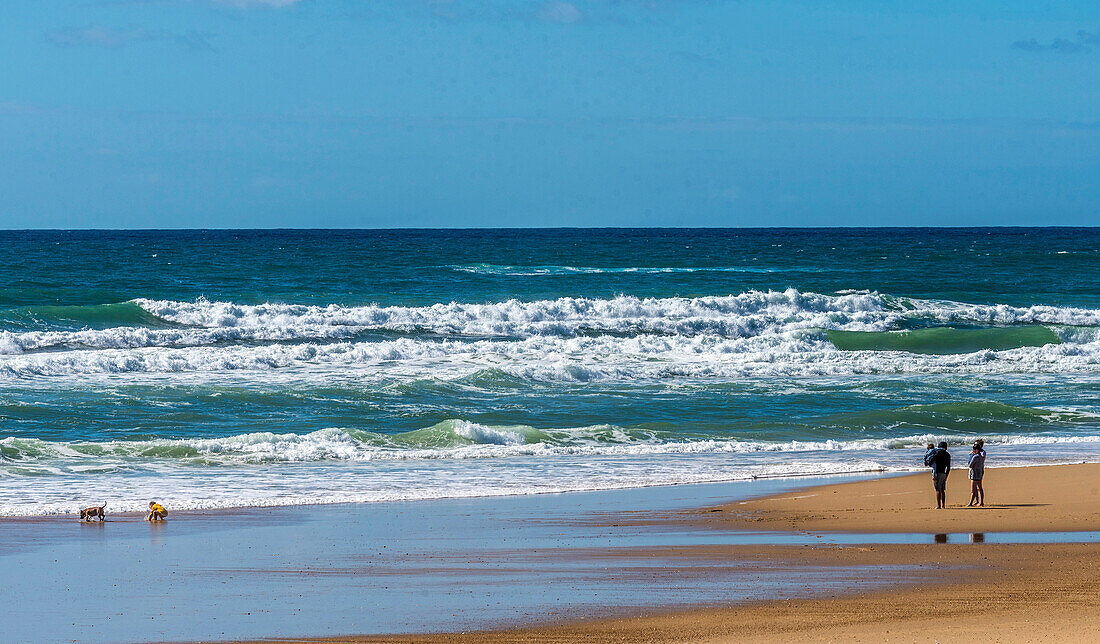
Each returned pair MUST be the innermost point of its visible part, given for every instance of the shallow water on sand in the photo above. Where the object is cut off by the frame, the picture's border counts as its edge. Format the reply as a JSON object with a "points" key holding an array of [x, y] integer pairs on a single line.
{"points": [[449, 564], [389, 567]]}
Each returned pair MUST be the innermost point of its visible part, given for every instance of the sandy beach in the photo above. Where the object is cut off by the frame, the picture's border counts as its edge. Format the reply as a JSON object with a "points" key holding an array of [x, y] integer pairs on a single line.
{"points": [[664, 564], [992, 592], [1024, 499]]}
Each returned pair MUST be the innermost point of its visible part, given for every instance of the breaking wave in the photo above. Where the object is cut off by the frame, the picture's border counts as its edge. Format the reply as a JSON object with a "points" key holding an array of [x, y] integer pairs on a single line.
{"points": [[744, 315], [555, 359], [757, 333], [957, 423]]}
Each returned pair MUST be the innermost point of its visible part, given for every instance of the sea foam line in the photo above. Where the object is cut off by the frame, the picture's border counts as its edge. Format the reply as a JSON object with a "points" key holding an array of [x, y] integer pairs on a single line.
{"points": [[801, 354], [760, 310], [750, 314], [451, 440], [560, 269]]}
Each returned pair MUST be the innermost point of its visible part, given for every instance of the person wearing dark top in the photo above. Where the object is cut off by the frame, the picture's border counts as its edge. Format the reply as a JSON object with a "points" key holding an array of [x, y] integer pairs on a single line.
{"points": [[940, 462]]}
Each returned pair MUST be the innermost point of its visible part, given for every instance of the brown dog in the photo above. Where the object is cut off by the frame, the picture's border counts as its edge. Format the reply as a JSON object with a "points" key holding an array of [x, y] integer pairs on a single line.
{"points": [[87, 514]]}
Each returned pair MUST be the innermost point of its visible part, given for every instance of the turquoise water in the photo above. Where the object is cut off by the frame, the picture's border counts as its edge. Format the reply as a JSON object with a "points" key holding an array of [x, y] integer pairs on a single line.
{"points": [[215, 369]]}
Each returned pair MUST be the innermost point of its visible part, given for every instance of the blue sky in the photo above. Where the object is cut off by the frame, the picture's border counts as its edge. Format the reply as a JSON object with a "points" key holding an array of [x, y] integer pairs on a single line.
{"points": [[380, 113]]}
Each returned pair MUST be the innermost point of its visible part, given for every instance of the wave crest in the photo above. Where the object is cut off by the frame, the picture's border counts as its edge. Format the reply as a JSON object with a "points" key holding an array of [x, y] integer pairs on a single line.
{"points": [[462, 439], [754, 334]]}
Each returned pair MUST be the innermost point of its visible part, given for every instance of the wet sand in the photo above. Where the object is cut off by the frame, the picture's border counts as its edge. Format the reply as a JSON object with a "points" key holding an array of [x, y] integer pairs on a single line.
{"points": [[455, 564], [1007, 593], [984, 592], [636, 565]]}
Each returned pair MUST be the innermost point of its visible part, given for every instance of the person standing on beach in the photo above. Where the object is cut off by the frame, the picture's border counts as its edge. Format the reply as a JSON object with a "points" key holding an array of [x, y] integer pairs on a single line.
{"points": [[976, 463], [941, 467]]}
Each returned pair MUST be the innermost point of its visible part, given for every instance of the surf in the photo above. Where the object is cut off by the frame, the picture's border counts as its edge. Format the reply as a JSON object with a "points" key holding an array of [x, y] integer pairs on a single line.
{"points": [[460, 439]]}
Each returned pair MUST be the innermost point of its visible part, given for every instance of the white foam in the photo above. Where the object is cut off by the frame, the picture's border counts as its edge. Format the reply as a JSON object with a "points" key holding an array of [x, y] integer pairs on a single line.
{"points": [[746, 314], [382, 481], [765, 335], [802, 353], [557, 269], [296, 484], [483, 434], [741, 315], [574, 339], [138, 337], [488, 442], [335, 465]]}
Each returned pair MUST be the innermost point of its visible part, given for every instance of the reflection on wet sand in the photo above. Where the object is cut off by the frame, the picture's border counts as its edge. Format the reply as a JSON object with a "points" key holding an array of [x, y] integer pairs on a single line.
{"points": [[975, 537]]}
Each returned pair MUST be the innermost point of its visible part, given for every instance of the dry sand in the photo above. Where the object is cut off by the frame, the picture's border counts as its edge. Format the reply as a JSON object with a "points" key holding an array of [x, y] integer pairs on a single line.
{"points": [[1019, 499], [986, 592]]}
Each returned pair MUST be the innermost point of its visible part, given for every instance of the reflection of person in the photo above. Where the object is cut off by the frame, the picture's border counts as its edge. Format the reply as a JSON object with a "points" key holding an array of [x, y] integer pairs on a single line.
{"points": [[976, 463], [156, 512], [940, 462]]}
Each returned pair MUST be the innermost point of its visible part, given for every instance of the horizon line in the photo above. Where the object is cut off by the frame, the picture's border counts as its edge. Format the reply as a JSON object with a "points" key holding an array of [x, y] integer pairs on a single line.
{"points": [[543, 228]]}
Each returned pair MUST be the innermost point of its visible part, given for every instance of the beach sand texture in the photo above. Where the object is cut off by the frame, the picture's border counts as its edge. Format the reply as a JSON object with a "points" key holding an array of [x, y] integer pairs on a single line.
{"points": [[985, 592], [1061, 498]]}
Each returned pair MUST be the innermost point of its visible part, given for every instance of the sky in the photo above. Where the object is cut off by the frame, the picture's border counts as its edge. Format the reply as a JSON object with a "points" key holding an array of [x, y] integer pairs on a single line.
{"points": [[491, 113]]}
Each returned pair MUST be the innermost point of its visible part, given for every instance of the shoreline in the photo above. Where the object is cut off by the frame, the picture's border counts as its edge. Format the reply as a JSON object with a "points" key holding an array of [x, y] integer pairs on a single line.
{"points": [[630, 565], [239, 509], [994, 597], [360, 568]]}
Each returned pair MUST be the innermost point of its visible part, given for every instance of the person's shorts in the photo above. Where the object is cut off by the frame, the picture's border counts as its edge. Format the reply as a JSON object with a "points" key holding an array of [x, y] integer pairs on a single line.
{"points": [[976, 475], [939, 481]]}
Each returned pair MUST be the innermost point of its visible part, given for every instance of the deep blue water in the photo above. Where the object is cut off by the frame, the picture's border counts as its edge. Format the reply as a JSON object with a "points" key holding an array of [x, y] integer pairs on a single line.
{"points": [[217, 368]]}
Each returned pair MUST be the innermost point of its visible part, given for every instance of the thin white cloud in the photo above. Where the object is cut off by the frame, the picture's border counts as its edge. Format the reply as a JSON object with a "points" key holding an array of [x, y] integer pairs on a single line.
{"points": [[1082, 42], [14, 107], [108, 38], [244, 4], [561, 12]]}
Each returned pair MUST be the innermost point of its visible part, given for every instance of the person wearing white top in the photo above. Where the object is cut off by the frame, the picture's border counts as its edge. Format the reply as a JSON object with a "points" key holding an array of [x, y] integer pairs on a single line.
{"points": [[976, 463]]}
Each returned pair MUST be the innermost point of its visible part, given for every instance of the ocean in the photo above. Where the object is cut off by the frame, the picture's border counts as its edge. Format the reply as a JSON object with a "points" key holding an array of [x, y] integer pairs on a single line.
{"points": [[215, 369]]}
